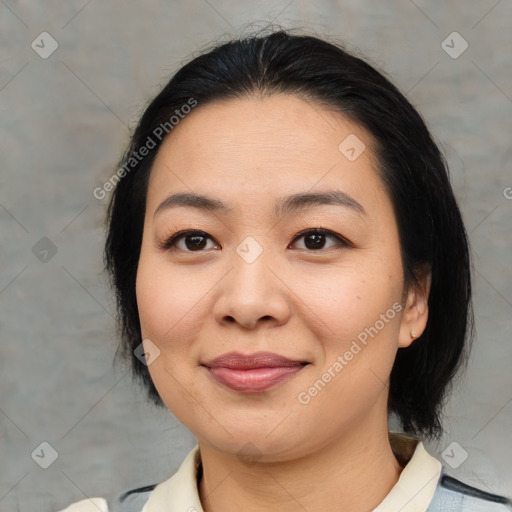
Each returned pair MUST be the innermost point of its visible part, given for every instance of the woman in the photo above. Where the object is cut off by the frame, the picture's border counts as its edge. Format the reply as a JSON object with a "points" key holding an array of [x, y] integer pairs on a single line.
{"points": [[291, 267]]}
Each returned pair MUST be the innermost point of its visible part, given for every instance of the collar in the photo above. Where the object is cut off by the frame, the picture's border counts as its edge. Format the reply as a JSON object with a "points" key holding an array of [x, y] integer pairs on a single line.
{"points": [[413, 491], [418, 480]]}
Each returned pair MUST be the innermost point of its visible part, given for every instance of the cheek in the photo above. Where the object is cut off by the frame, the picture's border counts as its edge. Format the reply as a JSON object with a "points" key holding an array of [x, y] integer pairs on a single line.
{"points": [[166, 318], [166, 300], [152, 299], [360, 313], [347, 300]]}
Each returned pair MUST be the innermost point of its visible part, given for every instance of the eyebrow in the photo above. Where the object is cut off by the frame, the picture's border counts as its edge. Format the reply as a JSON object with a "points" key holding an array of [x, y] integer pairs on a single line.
{"points": [[283, 206]]}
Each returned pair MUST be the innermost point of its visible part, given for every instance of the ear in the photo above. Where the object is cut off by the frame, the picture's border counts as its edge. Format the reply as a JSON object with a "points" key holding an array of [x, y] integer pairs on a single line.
{"points": [[416, 310]]}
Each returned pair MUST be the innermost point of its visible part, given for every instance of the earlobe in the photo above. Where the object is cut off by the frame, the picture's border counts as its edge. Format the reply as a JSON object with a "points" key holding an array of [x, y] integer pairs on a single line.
{"points": [[414, 319]]}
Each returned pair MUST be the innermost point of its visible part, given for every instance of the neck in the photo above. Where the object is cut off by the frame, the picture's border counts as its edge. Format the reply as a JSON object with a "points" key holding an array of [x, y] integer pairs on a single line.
{"points": [[352, 473]]}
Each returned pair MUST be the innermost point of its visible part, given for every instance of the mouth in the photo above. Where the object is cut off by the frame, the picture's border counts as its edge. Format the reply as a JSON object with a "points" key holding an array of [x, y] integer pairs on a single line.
{"points": [[253, 373]]}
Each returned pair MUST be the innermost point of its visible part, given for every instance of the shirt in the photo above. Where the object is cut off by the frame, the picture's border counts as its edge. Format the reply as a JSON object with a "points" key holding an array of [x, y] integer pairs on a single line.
{"points": [[423, 486]]}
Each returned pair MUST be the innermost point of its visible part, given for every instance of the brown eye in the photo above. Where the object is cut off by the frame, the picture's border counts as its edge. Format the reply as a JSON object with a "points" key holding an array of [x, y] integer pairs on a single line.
{"points": [[197, 241], [315, 239], [194, 241]]}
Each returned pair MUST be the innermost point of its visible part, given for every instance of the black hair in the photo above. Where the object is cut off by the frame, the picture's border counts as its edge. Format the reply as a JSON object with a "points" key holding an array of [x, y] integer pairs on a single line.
{"points": [[410, 165]]}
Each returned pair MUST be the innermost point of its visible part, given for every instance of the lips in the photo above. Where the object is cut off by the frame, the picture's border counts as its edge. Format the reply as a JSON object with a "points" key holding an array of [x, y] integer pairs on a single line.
{"points": [[237, 361], [252, 373]]}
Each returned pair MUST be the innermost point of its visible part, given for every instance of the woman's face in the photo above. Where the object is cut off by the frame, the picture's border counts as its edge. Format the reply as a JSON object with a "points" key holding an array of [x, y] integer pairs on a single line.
{"points": [[257, 281]]}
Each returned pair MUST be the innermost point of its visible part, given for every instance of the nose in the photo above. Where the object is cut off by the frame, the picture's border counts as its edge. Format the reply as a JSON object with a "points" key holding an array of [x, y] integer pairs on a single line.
{"points": [[253, 293]]}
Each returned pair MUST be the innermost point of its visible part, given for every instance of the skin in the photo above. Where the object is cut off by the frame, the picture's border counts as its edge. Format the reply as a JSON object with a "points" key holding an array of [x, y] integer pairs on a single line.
{"points": [[332, 453]]}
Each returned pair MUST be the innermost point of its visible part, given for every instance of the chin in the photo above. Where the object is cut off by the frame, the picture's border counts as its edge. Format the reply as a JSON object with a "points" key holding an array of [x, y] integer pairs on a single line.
{"points": [[253, 443]]}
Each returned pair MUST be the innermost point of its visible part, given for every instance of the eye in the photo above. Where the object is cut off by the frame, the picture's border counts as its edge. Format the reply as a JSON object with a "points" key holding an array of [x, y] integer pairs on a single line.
{"points": [[314, 239], [195, 240]]}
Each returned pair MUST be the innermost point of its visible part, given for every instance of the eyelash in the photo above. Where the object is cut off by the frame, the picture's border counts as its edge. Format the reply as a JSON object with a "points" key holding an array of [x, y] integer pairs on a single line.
{"points": [[170, 242]]}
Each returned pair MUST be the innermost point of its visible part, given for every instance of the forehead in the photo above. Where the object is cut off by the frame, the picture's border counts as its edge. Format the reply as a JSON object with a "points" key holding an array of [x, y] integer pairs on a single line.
{"points": [[249, 150]]}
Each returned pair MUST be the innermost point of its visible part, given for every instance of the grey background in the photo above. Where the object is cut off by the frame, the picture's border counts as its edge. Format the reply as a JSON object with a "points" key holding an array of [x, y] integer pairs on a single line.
{"points": [[64, 122]]}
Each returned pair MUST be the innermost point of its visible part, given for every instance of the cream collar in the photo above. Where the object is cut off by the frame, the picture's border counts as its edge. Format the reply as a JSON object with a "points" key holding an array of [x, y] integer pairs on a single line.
{"points": [[413, 491]]}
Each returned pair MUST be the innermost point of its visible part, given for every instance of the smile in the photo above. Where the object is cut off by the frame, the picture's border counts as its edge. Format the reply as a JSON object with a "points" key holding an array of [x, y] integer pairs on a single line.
{"points": [[253, 380], [249, 373]]}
